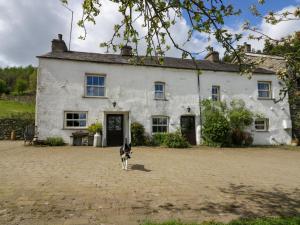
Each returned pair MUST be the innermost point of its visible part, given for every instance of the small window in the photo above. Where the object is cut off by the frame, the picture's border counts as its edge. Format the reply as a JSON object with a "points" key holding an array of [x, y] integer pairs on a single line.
{"points": [[160, 124], [95, 86], [264, 89], [262, 124], [159, 90], [215, 93], [75, 119]]}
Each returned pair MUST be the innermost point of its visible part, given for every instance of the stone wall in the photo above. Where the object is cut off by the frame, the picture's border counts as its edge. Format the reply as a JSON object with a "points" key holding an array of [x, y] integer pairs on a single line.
{"points": [[28, 99], [18, 124]]}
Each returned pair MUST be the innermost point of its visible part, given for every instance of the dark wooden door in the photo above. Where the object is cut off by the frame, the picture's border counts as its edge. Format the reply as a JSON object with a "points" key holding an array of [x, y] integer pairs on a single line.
{"points": [[114, 130], [188, 130]]}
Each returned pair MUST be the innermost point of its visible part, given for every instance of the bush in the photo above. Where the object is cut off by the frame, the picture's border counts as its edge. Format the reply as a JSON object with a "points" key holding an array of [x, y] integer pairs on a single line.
{"points": [[21, 86], [175, 140], [216, 129], [225, 126], [95, 128], [158, 139], [54, 141], [137, 134], [170, 140]]}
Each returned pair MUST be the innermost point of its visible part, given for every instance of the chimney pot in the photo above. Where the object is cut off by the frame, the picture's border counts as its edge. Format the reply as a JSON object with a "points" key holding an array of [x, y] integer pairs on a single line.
{"points": [[59, 45], [213, 56], [126, 50]]}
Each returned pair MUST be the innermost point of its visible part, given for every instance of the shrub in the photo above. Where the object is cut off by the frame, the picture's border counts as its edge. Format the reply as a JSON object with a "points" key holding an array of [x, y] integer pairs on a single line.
{"points": [[158, 139], [137, 134], [216, 129], [21, 86], [175, 140], [54, 141], [95, 128], [225, 126], [3, 86]]}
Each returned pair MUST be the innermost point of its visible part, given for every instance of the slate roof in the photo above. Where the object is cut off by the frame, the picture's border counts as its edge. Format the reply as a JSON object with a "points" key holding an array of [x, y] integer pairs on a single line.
{"points": [[169, 62]]}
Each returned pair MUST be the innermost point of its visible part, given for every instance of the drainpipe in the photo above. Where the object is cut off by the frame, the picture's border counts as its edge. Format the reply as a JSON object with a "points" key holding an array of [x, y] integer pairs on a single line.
{"points": [[200, 108]]}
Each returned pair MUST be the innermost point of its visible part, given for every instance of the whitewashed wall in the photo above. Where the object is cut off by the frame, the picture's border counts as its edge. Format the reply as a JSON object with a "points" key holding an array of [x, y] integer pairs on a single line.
{"points": [[61, 88]]}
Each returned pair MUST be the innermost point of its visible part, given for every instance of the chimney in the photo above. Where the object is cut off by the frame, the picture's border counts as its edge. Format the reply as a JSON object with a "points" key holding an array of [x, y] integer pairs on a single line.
{"points": [[213, 56], [247, 47], [126, 50], [59, 45]]}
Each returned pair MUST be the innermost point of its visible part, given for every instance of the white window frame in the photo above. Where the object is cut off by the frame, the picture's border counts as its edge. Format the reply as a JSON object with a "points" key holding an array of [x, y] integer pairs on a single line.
{"points": [[160, 125], [265, 124], [75, 112], [163, 92], [98, 86], [217, 95], [269, 90]]}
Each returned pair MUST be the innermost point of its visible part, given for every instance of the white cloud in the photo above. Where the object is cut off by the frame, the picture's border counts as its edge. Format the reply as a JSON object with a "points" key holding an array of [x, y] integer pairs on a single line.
{"points": [[27, 28]]}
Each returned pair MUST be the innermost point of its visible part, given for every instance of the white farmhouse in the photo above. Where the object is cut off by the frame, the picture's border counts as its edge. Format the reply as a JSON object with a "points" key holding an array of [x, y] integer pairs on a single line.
{"points": [[76, 89]]}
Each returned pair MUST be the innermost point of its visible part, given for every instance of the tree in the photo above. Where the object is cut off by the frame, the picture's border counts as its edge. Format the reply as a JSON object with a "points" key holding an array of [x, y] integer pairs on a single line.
{"points": [[159, 16], [33, 81], [21, 86], [3, 86]]}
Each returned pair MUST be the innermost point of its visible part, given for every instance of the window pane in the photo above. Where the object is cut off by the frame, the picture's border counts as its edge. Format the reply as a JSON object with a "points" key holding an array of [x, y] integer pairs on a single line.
{"points": [[76, 123], [159, 87], [82, 123], [69, 116], [89, 80], [164, 121], [154, 121], [164, 129], [101, 91], [101, 81], [263, 86], [263, 94], [69, 123], [159, 95], [95, 80], [82, 116], [76, 115]]}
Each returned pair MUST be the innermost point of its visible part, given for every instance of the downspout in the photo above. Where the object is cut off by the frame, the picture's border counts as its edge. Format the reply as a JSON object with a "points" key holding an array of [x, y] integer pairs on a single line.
{"points": [[199, 100]]}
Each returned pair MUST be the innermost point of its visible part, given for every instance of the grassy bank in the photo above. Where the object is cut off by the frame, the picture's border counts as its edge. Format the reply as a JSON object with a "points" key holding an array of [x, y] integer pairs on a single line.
{"points": [[262, 221], [7, 108]]}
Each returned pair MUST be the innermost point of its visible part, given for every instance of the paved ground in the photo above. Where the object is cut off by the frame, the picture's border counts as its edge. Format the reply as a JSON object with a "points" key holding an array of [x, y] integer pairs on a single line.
{"points": [[74, 185]]}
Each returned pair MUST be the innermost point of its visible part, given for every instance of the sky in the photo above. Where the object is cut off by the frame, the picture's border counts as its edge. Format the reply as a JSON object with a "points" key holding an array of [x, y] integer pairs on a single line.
{"points": [[28, 26]]}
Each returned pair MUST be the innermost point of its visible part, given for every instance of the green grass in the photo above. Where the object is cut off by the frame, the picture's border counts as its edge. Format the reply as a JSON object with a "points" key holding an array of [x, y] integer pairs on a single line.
{"points": [[8, 108], [261, 221]]}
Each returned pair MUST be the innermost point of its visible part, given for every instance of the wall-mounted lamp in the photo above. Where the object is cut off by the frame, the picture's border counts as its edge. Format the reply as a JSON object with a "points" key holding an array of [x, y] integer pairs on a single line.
{"points": [[188, 109], [114, 104]]}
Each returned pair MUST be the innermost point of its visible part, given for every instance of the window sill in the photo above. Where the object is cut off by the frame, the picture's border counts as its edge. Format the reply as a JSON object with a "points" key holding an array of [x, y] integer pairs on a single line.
{"points": [[262, 131], [161, 99], [265, 98], [101, 97], [75, 128]]}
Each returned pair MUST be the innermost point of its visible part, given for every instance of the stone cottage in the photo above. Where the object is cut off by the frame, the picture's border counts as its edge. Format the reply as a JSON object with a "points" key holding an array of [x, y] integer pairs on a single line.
{"points": [[76, 89]]}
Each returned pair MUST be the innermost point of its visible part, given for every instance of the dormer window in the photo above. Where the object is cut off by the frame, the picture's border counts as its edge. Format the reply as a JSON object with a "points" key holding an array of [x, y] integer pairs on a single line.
{"points": [[159, 90], [95, 85]]}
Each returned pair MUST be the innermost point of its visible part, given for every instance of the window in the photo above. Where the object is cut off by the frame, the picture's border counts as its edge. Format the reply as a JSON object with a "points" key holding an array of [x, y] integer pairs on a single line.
{"points": [[215, 93], [159, 124], [95, 86], [159, 90], [262, 124], [264, 89], [75, 119]]}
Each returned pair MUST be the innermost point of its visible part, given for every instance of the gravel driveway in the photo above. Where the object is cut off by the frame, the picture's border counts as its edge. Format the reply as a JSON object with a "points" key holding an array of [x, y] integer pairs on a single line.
{"points": [[83, 185]]}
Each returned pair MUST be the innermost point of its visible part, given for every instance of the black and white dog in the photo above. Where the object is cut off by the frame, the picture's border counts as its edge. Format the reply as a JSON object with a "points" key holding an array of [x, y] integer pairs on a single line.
{"points": [[125, 153]]}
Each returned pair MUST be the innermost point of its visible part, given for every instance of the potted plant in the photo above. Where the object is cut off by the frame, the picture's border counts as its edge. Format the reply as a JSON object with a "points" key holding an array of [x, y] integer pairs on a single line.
{"points": [[96, 129]]}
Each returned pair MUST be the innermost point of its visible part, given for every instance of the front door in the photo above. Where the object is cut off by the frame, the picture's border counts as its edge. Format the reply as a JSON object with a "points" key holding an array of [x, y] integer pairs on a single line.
{"points": [[187, 124], [114, 130]]}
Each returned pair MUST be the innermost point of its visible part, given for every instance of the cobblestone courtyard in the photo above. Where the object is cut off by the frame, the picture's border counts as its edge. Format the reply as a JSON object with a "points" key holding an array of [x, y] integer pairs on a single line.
{"points": [[83, 185]]}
